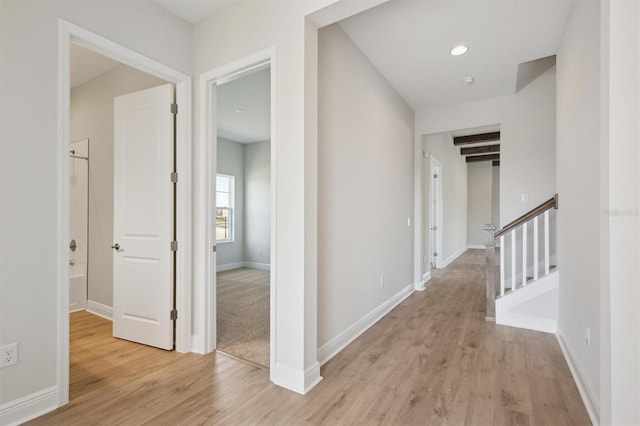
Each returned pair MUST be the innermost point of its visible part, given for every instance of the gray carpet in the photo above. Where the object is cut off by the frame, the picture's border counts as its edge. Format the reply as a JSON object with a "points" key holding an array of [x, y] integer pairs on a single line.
{"points": [[243, 314]]}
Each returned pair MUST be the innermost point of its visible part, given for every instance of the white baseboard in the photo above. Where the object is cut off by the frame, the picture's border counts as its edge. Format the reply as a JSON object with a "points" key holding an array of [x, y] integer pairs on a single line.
{"points": [[420, 285], [296, 380], [100, 310], [243, 264], [338, 343], [229, 266], [29, 407], [197, 345], [590, 403], [453, 257], [255, 265], [476, 246]]}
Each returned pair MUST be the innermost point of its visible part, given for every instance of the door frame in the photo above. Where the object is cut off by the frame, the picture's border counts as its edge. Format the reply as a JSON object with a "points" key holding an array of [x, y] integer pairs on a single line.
{"points": [[68, 33], [435, 193], [204, 226]]}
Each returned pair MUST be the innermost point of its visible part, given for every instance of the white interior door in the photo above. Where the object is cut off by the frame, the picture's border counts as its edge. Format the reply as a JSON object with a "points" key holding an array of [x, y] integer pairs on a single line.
{"points": [[143, 229], [435, 213]]}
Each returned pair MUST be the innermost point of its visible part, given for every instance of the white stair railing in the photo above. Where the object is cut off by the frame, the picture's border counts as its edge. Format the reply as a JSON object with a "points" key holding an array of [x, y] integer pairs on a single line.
{"points": [[507, 241]]}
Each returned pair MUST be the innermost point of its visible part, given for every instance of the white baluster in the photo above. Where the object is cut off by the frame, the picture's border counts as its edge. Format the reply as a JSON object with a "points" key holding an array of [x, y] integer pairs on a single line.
{"points": [[513, 260], [546, 243], [524, 254], [502, 247], [535, 248]]}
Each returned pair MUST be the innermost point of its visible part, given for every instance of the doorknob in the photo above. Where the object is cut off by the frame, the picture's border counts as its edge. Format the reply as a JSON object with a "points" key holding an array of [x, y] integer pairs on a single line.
{"points": [[116, 247]]}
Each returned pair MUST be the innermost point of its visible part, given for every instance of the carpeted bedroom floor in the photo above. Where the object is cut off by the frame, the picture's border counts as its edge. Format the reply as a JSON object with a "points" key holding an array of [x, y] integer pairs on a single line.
{"points": [[243, 314]]}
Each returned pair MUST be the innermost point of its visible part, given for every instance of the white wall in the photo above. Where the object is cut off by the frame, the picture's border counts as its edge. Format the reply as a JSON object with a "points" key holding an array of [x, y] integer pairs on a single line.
{"points": [[365, 187], [257, 218], [620, 160], [495, 195], [454, 194], [28, 115], [578, 174], [230, 161], [527, 125], [91, 116], [479, 201]]}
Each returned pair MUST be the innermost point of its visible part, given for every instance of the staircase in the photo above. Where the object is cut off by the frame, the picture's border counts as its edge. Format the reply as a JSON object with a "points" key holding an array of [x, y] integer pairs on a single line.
{"points": [[522, 276]]}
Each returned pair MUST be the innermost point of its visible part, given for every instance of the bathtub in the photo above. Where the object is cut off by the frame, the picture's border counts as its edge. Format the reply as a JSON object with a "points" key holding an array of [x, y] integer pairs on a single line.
{"points": [[77, 286]]}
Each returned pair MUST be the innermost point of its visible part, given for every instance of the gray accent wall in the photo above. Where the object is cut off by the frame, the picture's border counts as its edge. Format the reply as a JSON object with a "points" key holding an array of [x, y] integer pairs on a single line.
{"points": [[257, 200], [230, 161], [250, 164]]}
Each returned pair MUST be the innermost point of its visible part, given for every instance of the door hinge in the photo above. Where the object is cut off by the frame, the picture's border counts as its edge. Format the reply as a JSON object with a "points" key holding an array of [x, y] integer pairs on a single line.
{"points": [[174, 108], [174, 246], [435, 254], [173, 315], [174, 177], [215, 248], [435, 176]]}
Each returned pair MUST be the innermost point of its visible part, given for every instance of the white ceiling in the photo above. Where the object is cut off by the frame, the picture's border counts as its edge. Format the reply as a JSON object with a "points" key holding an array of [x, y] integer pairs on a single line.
{"points": [[409, 43], [251, 94], [192, 11], [87, 65]]}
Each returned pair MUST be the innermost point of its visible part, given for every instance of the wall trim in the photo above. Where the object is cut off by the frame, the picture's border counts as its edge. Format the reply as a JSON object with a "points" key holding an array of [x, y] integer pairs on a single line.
{"points": [[342, 340], [590, 403], [453, 257], [243, 264], [421, 284], [476, 246], [100, 310], [29, 407], [312, 377]]}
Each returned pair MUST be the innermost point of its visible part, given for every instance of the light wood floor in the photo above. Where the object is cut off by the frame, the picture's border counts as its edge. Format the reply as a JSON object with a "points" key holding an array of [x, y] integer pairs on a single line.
{"points": [[433, 360]]}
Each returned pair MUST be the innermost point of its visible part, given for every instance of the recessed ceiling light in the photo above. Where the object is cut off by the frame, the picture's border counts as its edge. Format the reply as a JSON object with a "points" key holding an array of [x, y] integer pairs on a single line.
{"points": [[459, 50], [468, 80], [238, 110]]}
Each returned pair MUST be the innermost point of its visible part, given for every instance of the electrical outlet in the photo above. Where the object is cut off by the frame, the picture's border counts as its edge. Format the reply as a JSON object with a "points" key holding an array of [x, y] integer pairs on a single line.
{"points": [[381, 281], [259, 251], [8, 355]]}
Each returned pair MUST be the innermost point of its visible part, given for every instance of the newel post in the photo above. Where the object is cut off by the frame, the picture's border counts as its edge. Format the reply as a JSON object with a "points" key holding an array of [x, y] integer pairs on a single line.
{"points": [[490, 229]]}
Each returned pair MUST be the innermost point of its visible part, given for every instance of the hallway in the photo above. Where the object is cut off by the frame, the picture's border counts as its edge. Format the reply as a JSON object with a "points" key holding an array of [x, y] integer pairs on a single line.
{"points": [[432, 360]]}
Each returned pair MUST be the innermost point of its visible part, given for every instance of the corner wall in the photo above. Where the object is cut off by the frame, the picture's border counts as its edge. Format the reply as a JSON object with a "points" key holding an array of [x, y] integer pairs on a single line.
{"points": [[578, 175], [365, 193]]}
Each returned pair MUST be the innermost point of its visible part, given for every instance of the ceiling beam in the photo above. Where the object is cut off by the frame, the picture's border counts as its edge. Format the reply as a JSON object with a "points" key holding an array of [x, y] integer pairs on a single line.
{"points": [[490, 157], [487, 149], [479, 138]]}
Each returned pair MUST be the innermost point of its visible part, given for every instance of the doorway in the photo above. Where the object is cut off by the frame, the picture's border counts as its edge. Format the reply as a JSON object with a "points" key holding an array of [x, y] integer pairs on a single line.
{"points": [[72, 37], [241, 246], [242, 215]]}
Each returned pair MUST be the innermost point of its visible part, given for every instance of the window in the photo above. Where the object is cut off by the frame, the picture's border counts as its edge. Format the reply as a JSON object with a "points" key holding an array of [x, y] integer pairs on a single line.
{"points": [[224, 208]]}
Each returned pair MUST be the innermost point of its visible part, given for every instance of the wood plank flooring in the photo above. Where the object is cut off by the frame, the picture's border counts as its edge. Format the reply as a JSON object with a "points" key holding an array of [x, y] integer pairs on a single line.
{"points": [[431, 361]]}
